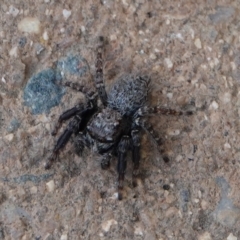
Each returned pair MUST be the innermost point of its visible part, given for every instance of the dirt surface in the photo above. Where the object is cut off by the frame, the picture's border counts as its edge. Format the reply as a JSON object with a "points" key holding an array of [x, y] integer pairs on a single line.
{"points": [[190, 49]]}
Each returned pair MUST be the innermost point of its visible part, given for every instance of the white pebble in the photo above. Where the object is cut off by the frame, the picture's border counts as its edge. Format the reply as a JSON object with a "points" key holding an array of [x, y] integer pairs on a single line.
{"points": [[64, 237], [50, 186], [9, 137], [45, 35], [138, 231], [13, 11], [231, 237], [170, 95], [179, 158], [205, 236], [226, 97], [227, 145], [213, 105], [29, 25], [174, 132], [125, 2], [107, 224], [198, 43], [233, 65], [3, 80], [14, 52], [167, 21], [168, 62], [33, 190], [83, 29], [152, 56], [66, 13], [113, 37]]}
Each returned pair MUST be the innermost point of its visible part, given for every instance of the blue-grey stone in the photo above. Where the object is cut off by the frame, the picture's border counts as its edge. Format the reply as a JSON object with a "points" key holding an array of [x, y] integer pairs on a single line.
{"points": [[14, 125], [222, 14], [42, 92], [73, 65], [226, 213]]}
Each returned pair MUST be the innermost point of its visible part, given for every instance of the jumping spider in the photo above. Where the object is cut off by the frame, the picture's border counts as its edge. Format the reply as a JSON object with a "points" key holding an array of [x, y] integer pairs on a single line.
{"points": [[113, 128]]}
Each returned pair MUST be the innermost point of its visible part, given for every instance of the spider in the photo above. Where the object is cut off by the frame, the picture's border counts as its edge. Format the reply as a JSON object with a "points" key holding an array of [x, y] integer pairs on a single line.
{"points": [[114, 127]]}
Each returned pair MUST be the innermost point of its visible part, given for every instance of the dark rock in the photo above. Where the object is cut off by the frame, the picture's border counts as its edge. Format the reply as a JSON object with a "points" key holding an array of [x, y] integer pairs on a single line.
{"points": [[42, 93]]}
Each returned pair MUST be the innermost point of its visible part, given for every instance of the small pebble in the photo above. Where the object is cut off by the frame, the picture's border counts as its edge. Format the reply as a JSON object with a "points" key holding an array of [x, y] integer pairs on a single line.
{"points": [[152, 56], [168, 62], [213, 105], [33, 190], [9, 137], [14, 52], [13, 11], [50, 186], [64, 237], [198, 43], [205, 236], [66, 13], [107, 224], [171, 212], [45, 35], [29, 25], [227, 145], [231, 237], [138, 230], [226, 98]]}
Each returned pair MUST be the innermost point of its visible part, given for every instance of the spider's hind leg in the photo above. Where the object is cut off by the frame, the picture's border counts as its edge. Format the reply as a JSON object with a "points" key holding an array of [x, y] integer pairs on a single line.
{"points": [[143, 123], [123, 147], [146, 110], [135, 134]]}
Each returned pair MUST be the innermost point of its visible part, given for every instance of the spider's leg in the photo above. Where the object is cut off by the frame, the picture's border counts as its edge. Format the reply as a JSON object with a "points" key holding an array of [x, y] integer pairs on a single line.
{"points": [[91, 95], [154, 135], [72, 127], [135, 154], [123, 147], [78, 109], [144, 111], [99, 77]]}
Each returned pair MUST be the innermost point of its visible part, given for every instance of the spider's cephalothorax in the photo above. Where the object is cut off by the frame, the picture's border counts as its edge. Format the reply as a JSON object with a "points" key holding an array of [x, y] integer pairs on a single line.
{"points": [[113, 128]]}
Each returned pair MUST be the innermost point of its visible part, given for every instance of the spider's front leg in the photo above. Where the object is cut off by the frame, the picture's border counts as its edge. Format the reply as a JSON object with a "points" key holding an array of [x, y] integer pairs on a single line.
{"points": [[99, 82], [78, 112], [78, 109], [123, 147], [72, 127]]}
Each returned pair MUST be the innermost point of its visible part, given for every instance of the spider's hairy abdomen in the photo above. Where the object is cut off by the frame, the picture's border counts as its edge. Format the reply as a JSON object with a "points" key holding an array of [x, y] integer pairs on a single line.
{"points": [[128, 94]]}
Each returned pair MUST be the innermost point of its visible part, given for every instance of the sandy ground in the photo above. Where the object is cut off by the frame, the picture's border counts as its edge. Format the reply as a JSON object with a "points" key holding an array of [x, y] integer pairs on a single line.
{"points": [[190, 49]]}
